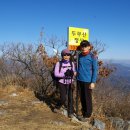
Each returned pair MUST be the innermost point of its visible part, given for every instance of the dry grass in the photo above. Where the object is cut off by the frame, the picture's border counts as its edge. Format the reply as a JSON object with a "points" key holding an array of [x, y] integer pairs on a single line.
{"points": [[25, 112]]}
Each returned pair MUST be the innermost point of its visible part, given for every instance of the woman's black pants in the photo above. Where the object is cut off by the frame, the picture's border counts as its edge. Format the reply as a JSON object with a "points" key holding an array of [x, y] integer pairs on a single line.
{"points": [[66, 93]]}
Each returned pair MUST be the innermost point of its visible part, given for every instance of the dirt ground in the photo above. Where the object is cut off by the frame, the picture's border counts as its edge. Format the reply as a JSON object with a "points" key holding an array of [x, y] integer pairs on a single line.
{"points": [[21, 110]]}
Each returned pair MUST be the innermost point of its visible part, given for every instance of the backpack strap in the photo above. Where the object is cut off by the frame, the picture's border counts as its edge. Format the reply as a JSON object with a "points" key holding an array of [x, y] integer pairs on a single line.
{"points": [[60, 65], [71, 64]]}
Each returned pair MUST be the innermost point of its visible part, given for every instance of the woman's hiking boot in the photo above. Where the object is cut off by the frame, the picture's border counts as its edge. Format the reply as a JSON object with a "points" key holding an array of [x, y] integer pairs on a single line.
{"points": [[70, 115], [83, 119]]}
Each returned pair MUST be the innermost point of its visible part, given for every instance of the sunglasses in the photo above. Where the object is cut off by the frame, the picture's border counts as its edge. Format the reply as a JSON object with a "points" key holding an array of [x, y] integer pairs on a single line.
{"points": [[84, 46], [66, 54]]}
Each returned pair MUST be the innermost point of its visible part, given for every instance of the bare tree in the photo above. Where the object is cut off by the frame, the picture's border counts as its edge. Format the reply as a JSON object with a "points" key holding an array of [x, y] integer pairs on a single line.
{"points": [[55, 45], [98, 47], [33, 61]]}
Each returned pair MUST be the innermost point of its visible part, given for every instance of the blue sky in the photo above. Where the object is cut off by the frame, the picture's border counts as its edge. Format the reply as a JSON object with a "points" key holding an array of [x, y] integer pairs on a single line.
{"points": [[107, 20]]}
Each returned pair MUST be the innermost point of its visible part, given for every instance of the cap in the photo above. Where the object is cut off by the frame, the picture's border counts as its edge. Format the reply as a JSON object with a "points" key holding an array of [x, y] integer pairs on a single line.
{"points": [[85, 43], [65, 51]]}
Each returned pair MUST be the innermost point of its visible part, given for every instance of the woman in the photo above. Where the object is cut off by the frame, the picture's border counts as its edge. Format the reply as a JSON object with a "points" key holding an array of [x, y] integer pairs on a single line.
{"points": [[65, 70]]}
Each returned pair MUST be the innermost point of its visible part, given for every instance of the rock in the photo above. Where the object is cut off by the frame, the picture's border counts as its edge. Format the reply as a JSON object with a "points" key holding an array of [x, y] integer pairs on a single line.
{"points": [[3, 102], [14, 95], [2, 112], [64, 112], [60, 123], [99, 124], [75, 119], [127, 125], [117, 123]]}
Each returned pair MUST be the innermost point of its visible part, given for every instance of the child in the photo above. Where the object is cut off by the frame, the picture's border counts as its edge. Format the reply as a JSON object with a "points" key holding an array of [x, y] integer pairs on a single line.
{"points": [[65, 75], [86, 78]]}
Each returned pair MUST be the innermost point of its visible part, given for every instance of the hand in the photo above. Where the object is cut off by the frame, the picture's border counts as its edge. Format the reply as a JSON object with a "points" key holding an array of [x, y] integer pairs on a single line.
{"points": [[69, 73], [75, 73], [92, 86]]}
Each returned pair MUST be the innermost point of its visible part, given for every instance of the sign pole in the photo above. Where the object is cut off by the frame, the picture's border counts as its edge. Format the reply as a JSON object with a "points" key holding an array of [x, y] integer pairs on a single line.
{"points": [[77, 88]]}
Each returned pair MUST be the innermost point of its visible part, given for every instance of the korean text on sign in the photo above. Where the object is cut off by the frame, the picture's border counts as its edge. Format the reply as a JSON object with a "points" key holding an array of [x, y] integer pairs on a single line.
{"points": [[75, 36]]}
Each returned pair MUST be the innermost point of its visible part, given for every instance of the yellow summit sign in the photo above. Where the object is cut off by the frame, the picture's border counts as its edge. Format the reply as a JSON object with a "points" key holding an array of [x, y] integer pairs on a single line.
{"points": [[75, 36]]}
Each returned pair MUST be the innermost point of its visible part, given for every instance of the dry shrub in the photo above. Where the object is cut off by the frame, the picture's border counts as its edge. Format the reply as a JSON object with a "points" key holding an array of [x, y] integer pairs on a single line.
{"points": [[27, 66], [111, 101]]}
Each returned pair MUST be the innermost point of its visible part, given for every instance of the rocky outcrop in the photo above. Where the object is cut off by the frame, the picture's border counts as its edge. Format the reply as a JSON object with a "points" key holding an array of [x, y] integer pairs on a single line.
{"points": [[99, 124], [119, 124]]}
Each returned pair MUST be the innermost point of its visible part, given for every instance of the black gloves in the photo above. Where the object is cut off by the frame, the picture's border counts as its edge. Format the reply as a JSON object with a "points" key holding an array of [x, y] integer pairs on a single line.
{"points": [[69, 73]]}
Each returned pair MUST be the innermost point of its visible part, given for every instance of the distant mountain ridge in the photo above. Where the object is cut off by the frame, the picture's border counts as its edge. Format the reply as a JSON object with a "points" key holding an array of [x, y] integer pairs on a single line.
{"points": [[120, 78], [121, 62], [122, 70]]}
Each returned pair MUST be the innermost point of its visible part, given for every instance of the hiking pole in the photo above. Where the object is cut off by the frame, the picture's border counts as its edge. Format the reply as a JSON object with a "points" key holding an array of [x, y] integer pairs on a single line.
{"points": [[67, 93], [77, 95], [68, 81], [77, 88], [71, 95]]}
